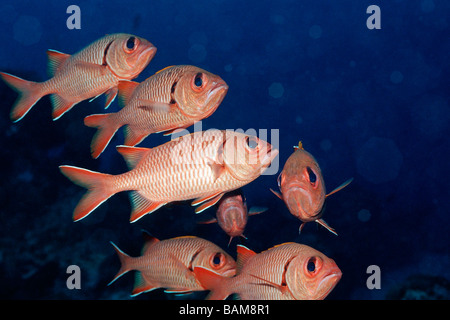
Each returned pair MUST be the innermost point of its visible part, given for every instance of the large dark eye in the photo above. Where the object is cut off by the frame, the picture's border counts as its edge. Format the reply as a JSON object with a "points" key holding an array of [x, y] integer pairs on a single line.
{"points": [[312, 175], [217, 260], [198, 80], [311, 266], [130, 43], [252, 143]]}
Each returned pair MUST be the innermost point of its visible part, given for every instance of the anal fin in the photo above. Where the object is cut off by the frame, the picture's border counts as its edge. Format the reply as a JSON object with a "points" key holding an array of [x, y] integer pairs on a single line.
{"points": [[60, 106], [209, 203], [142, 206]]}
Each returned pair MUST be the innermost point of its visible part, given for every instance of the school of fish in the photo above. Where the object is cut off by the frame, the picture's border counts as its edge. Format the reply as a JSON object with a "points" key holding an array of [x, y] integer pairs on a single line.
{"points": [[208, 167]]}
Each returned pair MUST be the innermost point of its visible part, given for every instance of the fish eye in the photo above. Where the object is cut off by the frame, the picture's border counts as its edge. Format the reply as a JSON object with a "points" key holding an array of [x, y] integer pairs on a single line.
{"points": [[217, 260], [130, 43], [312, 175], [251, 142], [311, 266], [198, 81]]}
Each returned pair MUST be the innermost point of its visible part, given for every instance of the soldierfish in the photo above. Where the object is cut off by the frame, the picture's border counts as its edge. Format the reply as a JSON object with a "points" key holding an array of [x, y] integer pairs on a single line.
{"points": [[94, 70], [303, 188], [289, 271], [201, 166], [232, 214], [170, 263], [173, 98]]}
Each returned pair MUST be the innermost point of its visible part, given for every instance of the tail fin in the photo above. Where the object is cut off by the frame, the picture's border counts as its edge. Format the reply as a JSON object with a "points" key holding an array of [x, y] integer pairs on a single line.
{"points": [[97, 185], [214, 282], [29, 93], [106, 130], [124, 265]]}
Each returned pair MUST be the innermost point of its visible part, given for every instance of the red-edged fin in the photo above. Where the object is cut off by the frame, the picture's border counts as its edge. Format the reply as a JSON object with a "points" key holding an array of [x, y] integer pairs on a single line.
{"points": [[282, 288], [142, 206], [111, 95], [172, 131], [163, 69], [277, 194], [213, 220], [29, 93], [208, 204], [133, 136], [141, 285], [60, 106], [106, 126], [132, 155], [243, 254], [126, 89], [203, 199], [124, 267], [55, 60], [301, 227], [324, 224], [97, 185], [178, 291], [214, 282], [342, 186], [149, 241], [256, 210]]}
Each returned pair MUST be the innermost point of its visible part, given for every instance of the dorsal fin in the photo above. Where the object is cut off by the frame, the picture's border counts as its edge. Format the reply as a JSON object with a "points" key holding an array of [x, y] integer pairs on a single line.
{"points": [[164, 69], [132, 155], [243, 254], [55, 60], [149, 241], [126, 89]]}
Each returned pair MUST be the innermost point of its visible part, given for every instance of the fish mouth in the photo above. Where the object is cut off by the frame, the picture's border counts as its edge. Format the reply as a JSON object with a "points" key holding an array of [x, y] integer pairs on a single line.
{"points": [[330, 280], [271, 153], [217, 93], [148, 53]]}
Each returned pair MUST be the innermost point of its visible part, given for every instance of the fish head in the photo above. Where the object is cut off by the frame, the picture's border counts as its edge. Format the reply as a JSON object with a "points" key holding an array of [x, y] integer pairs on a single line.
{"points": [[232, 214], [213, 258], [128, 55], [311, 275], [302, 186], [246, 156], [199, 93]]}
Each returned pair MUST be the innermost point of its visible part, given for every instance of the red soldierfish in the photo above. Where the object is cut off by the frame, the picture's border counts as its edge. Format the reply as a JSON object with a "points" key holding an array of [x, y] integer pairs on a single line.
{"points": [[303, 189], [232, 214], [88, 73], [170, 263], [289, 271], [202, 166], [173, 98]]}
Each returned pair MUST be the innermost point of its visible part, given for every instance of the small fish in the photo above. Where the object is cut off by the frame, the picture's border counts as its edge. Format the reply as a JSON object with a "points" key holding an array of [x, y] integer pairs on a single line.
{"points": [[94, 70], [170, 263], [201, 166], [232, 214], [289, 271], [303, 189], [173, 98]]}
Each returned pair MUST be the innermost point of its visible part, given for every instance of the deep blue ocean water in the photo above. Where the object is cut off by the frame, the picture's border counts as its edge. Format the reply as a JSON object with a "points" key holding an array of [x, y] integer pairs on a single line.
{"points": [[368, 104]]}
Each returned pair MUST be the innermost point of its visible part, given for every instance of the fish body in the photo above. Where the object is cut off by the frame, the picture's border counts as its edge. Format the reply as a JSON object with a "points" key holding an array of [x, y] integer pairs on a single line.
{"points": [[175, 97], [169, 264], [303, 188], [201, 166], [94, 70], [289, 271], [232, 214]]}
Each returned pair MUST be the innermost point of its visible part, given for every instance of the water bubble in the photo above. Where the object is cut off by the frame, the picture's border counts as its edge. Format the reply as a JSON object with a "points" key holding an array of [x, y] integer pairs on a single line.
{"points": [[27, 30], [325, 144], [352, 64], [396, 77], [198, 37], [379, 160], [228, 68], [276, 90], [298, 120], [315, 32], [364, 215], [197, 53], [427, 6]]}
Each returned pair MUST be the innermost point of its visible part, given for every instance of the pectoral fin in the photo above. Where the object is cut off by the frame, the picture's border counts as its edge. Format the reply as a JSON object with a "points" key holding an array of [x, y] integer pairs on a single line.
{"points": [[342, 186]]}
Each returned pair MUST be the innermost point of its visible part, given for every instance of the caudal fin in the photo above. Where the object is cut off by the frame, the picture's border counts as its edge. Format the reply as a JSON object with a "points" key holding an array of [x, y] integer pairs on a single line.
{"points": [[106, 130], [124, 265], [97, 185], [29, 93]]}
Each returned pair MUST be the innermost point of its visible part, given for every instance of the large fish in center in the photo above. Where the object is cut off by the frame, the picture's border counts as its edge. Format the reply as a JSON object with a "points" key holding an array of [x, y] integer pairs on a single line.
{"points": [[201, 166], [175, 97]]}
